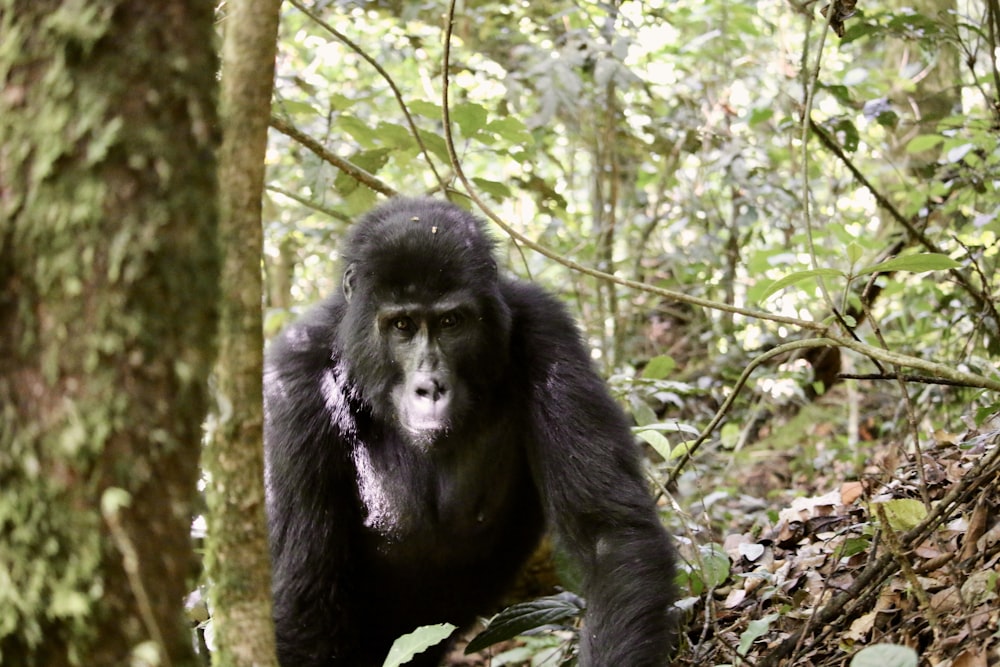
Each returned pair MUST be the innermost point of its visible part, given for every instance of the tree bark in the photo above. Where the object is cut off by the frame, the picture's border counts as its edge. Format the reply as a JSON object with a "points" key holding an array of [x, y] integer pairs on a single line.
{"points": [[237, 558], [108, 290]]}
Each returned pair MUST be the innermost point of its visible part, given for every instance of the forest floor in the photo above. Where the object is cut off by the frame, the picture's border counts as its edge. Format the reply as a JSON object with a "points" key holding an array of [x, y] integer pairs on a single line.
{"points": [[803, 554], [827, 555]]}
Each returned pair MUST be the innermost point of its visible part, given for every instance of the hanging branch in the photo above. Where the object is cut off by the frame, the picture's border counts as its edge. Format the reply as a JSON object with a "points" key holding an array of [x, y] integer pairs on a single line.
{"points": [[344, 39], [352, 170]]}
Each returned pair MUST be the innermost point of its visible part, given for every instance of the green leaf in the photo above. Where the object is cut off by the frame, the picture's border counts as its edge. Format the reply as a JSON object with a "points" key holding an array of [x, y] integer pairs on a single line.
{"points": [[798, 276], [370, 160], [657, 441], [714, 564], [885, 655], [958, 153], [406, 647], [425, 109], [520, 618], [847, 134], [358, 129], [659, 367], [471, 117], [495, 189], [395, 135], [904, 513], [511, 129], [754, 630], [852, 546], [670, 427], [760, 115], [854, 252], [297, 107], [927, 261], [681, 449], [641, 411], [924, 142], [436, 145]]}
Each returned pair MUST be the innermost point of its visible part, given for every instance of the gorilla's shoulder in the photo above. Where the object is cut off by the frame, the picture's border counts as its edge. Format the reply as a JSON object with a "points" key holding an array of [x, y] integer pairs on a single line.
{"points": [[311, 340], [540, 322]]}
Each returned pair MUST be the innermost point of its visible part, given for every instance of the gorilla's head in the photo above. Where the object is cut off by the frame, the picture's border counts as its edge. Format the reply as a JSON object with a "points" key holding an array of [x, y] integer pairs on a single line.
{"points": [[426, 328]]}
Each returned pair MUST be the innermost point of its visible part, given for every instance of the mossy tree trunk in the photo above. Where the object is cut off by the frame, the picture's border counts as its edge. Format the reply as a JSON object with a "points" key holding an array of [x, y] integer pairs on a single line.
{"points": [[237, 560], [108, 291]]}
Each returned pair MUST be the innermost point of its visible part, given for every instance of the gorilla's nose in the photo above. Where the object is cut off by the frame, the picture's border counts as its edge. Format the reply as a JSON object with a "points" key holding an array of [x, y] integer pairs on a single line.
{"points": [[430, 387]]}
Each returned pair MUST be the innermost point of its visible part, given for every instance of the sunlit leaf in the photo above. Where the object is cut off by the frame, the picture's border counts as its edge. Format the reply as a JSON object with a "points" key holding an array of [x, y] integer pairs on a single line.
{"points": [[797, 277], [681, 449], [715, 565], [957, 153], [406, 647], [659, 367], [520, 618], [510, 128], [470, 117], [854, 252], [904, 513], [494, 188], [657, 441], [852, 546], [755, 629], [885, 655], [425, 109], [928, 261], [924, 142], [298, 107]]}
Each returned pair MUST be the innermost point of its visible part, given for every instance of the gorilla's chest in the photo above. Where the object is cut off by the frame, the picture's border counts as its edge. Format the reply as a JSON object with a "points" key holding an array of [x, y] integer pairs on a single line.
{"points": [[415, 503]]}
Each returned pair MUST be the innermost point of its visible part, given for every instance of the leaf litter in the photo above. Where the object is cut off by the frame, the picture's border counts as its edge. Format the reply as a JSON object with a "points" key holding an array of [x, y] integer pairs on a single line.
{"points": [[901, 557]]}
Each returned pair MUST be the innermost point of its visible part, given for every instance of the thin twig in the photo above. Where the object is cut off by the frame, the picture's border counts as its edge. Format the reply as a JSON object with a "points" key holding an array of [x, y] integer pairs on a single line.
{"points": [[906, 377], [319, 208], [130, 563]]}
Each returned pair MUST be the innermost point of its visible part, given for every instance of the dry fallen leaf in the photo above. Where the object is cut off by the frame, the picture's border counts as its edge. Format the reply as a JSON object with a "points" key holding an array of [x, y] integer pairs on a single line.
{"points": [[851, 491]]}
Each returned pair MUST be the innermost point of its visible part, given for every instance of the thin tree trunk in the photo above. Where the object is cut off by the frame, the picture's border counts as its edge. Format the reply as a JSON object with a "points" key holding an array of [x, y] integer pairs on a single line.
{"points": [[238, 564]]}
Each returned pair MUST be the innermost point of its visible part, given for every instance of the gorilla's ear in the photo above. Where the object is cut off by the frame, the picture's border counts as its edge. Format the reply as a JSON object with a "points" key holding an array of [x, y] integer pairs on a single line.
{"points": [[349, 282]]}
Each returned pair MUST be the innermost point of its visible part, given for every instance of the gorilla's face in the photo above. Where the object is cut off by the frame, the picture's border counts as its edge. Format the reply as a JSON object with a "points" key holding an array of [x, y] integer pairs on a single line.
{"points": [[428, 345], [426, 329]]}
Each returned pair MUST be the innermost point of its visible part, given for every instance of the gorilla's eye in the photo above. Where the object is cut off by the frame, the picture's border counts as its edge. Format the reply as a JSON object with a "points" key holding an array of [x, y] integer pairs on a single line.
{"points": [[449, 320], [402, 324]]}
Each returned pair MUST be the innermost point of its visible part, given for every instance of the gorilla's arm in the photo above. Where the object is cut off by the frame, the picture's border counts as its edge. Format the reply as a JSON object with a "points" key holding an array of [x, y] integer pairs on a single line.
{"points": [[585, 462], [308, 460]]}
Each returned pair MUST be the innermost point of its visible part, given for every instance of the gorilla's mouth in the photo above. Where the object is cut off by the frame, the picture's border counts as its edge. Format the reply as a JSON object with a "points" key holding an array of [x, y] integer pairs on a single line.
{"points": [[426, 436]]}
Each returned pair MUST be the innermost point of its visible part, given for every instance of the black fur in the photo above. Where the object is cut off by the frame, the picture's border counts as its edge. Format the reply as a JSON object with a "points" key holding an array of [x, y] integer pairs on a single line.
{"points": [[423, 426]]}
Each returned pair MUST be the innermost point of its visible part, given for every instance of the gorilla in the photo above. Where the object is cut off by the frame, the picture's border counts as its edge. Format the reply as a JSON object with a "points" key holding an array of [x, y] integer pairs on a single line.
{"points": [[424, 426]]}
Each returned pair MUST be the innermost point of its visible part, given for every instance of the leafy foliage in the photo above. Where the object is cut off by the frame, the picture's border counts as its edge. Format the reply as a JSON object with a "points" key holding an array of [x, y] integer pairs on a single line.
{"points": [[802, 184], [521, 618]]}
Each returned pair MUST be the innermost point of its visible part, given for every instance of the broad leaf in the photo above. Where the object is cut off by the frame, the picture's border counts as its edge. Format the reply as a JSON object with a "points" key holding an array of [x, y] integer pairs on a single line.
{"points": [[520, 618], [928, 261], [924, 142], [406, 647], [471, 117], [658, 442], [715, 565], [658, 367], [799, 276], [904, 513], [885, 655], [755, 629]]}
